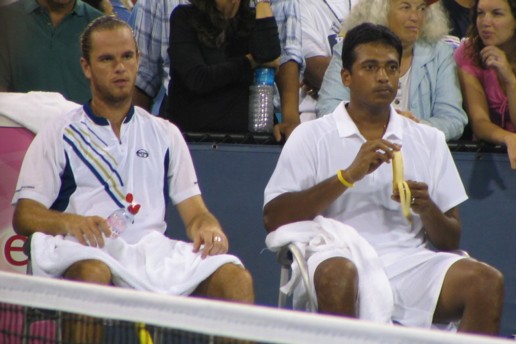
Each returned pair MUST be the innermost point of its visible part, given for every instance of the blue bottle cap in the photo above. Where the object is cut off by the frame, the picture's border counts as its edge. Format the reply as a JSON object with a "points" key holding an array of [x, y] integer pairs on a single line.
{"points": [[264, 76]]}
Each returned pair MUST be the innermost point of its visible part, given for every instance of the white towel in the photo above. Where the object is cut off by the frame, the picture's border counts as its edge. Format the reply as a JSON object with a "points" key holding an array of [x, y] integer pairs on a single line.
{"points": [[33, 110], [330, 238], [156, 263]]}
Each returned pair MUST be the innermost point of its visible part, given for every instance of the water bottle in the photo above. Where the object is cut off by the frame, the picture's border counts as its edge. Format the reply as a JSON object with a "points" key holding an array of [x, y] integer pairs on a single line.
{"points": [[261, 101], [118, 221], [122, 218]]}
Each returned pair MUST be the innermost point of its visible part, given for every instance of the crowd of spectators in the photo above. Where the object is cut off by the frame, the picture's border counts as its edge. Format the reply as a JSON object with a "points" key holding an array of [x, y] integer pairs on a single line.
{"points": [[205, 92]]}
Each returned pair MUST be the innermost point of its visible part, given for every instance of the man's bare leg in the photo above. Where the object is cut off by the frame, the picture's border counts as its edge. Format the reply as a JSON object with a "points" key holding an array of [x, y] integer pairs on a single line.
{"points": [[473, 292], [229, 282], [336, 286], [80, 328]]}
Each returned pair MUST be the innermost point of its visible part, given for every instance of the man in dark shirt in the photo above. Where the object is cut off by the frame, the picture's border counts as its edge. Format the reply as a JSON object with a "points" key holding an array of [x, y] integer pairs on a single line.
{"points": [[39, 47]]}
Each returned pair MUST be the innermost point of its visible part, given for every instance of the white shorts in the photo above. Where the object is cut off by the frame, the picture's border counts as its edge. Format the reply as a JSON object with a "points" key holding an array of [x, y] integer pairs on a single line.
{"points": [[416, 279]]}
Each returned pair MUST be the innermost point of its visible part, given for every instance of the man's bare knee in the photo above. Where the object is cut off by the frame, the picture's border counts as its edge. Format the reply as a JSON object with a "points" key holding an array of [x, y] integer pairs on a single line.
{"points": [[490, 280], [228, 282], [334, 271], [481, 281], [336, 286], [90, 271], [473, 292]]}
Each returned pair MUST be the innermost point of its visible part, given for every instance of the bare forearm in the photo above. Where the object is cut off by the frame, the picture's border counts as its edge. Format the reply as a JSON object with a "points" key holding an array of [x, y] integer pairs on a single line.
{"points": [[315, 68], [488, 131], [303, 205], [443, 229], [31, 216], [288, 85], [511, 96]]}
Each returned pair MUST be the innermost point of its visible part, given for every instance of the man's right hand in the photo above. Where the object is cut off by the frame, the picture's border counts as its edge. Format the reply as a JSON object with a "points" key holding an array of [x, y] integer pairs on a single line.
{"points": [[31, 216], [87, 229], [370, 156]]}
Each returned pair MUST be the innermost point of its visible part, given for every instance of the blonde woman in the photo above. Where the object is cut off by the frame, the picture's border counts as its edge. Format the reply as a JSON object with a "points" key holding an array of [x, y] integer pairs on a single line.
{"points": [[429, 90]]}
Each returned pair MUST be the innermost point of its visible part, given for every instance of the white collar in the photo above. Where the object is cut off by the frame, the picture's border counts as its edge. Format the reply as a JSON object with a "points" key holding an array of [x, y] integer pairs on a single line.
{"points": [[347, 128]]}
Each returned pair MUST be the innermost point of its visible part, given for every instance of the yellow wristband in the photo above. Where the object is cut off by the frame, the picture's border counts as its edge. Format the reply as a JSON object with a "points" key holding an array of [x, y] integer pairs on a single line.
{"points": [[343, 180]]}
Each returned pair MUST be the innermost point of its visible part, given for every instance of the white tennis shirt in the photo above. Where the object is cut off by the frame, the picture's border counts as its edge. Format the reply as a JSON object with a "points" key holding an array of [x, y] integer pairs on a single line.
{"points": [[76, 164], [317, 149]]}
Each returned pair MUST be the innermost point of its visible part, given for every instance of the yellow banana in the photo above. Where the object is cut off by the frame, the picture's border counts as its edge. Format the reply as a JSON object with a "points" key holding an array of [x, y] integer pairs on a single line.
{"points": [[143, 335], [399, 183]]}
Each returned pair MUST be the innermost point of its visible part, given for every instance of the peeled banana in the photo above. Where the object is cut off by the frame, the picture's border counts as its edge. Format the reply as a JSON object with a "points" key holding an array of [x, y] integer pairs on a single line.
{"points": [[399, 183]]}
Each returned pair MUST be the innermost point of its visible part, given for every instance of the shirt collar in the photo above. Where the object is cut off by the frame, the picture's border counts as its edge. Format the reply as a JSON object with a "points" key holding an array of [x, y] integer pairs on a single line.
{"points": [[347, 128], [103, 121]]}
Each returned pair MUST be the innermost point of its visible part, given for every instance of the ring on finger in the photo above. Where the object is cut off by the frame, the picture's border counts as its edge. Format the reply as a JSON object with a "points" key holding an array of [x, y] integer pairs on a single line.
{"points": [[413, 200], [217, 238]]}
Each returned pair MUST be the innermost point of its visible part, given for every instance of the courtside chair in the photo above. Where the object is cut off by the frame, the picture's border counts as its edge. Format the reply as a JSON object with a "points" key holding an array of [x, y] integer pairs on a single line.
{"points": [[287, 255]]}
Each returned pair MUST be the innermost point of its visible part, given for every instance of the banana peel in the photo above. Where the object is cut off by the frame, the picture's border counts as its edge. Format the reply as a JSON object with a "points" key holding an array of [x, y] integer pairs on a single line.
{"points": [[399, 183]]}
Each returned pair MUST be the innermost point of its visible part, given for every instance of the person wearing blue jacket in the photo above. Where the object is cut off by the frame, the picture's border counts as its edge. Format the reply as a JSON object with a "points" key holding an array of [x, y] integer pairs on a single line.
{"points": [[429, 91]]}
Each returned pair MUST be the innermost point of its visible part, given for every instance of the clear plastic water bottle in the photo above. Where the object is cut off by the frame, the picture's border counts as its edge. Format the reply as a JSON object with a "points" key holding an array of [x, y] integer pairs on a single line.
{"points": [[122, 218], [261, 101], [119, 221]]}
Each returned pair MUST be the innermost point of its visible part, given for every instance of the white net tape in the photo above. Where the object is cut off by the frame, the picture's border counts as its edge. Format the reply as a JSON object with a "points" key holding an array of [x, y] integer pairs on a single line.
{"points": [[255, 323]]}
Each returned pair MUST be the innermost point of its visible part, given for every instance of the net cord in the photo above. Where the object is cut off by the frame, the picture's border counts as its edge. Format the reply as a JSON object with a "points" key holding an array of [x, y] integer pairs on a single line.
{"points": [[212, 317]]}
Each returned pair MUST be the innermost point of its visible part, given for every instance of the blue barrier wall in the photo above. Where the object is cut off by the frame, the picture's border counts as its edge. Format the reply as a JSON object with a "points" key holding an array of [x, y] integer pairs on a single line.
{"points": [[233, 177]]}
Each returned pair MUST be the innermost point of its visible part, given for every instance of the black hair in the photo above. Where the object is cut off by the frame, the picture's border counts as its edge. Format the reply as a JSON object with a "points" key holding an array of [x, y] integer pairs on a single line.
{"points": [[476, 45], [367, 33]]}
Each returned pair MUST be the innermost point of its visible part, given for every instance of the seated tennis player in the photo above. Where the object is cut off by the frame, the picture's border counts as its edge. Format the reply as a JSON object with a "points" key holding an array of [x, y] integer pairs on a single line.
{"points": [[333, 187], [110, 155]]}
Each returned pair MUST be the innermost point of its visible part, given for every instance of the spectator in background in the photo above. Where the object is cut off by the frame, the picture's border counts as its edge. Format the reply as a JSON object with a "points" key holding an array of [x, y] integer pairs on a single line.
{"points": [[151, 24], [122, 9], [103, 6], [214, 48], [288, 18], [150, 20], [429, 90], [458, 15], [39, 47], [321, 26], [486, 61]]}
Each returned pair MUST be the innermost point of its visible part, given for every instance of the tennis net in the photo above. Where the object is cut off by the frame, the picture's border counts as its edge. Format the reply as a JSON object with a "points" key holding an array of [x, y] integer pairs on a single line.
{"points": [[35, 310]]}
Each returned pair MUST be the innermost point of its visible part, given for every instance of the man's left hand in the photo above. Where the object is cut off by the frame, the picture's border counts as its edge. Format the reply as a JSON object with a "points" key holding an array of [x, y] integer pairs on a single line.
{"points": [[420, 199], [207, 231]]}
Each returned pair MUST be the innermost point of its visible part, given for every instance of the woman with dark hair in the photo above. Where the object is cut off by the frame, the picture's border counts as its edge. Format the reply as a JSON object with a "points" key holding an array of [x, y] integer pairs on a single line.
{"points": [[487, 64], [214, 47]]}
